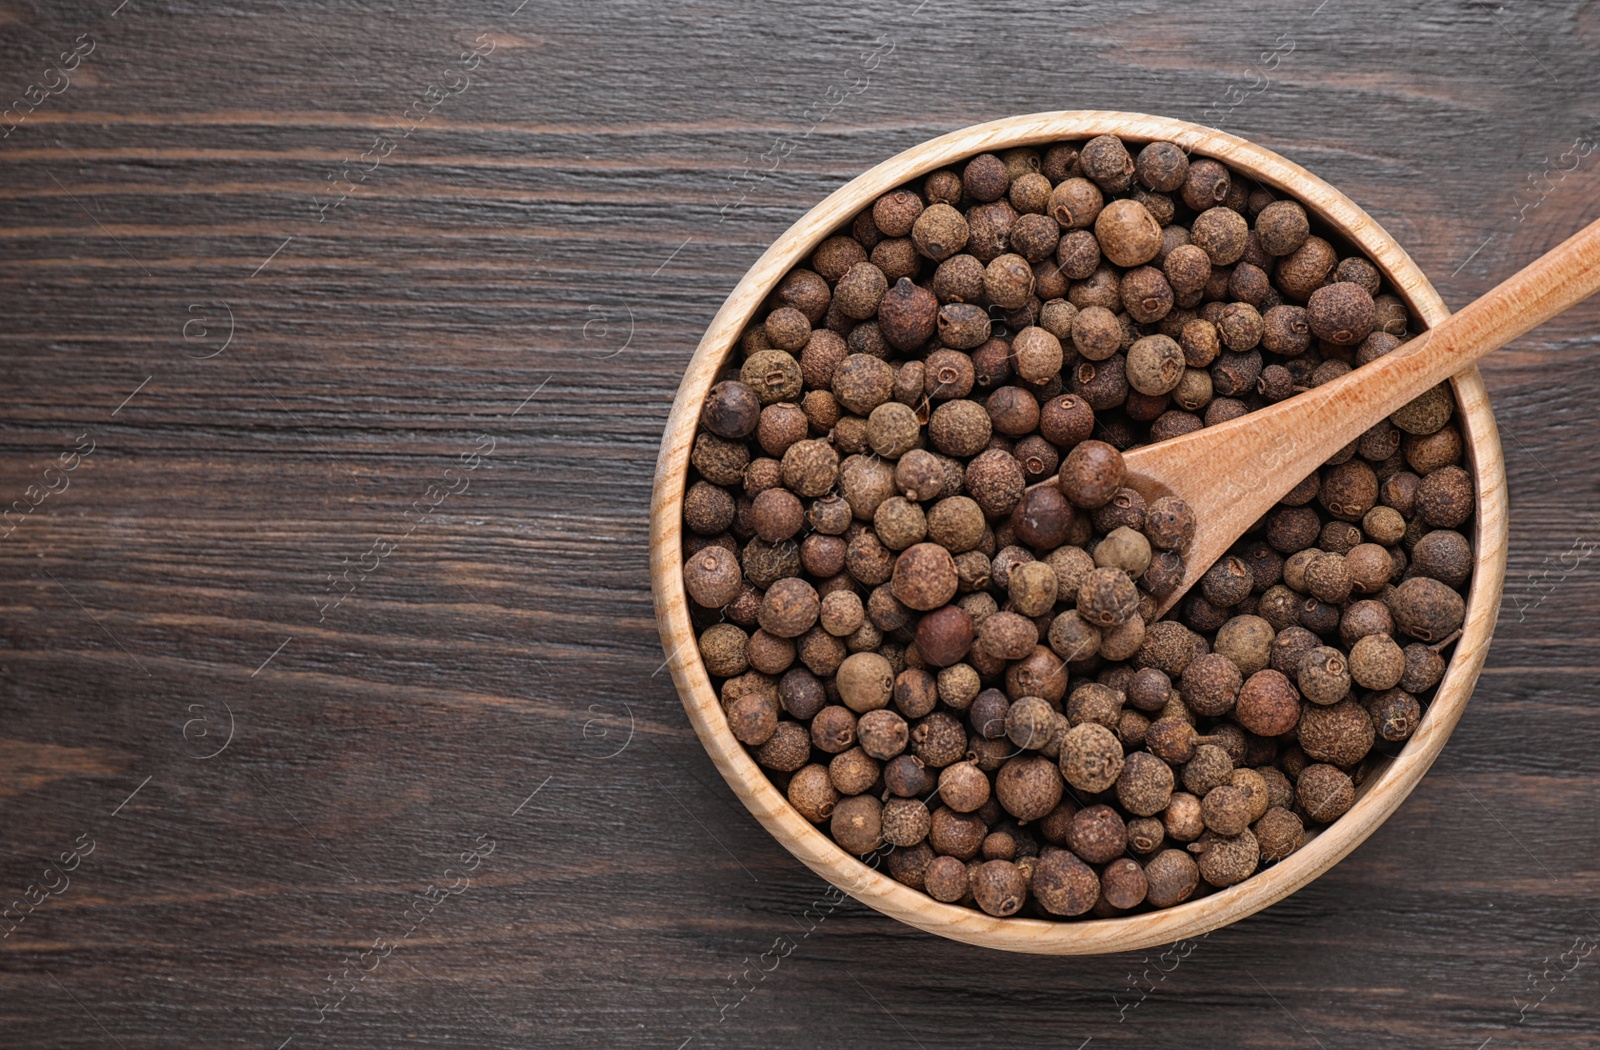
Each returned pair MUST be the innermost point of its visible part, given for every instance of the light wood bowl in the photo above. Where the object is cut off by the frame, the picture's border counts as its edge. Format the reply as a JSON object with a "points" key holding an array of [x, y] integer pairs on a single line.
{"points": [[1378, 795]]}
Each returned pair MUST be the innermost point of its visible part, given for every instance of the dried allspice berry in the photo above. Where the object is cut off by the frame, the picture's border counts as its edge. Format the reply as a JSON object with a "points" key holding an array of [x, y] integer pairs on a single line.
{"points": [[860, 514]]}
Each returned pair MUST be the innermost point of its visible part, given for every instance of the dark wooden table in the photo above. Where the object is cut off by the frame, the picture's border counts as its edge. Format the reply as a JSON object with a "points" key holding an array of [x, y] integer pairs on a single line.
{"points": [[337, 343]]}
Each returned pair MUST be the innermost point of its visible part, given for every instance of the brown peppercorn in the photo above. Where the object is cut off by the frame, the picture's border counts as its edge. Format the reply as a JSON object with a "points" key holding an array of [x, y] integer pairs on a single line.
{"points": [[787, 749], [1007, 281], [812, 793], [860, 291], [1426, 609], [1105, 160], [1228, 860], [1210, 685], [1209, 768], [1268, 704], [1181, 819], [1340, 313], [857, 824], [1221, 233], [905, 822], [883, 733], [707, 509], [963, 787], [938, 740], [833, 729], [788, 608], [1303, 270], [753, 718], [731, 410], [712, 577], [1239, 326], [1445, 497], [1123, 883], [852, 771], [1341, 733], [836, 255], [907, 317], [1226, 810], [1090, 757], [1091, 474], [985, 178], [1172, 876], [1426, 414], [895, 211], [1162, 166], [1128, 234], [1031, 723], [1282, 227], [999, 887], [1279, 833], [1395, 714], [1064, 885], [1028, 787], [1376, 662], [1324, 792], [770, 654], [1145, 785], [946, 880], [944, 635], [1206, 185], [1032, 588], [955, 834], [1036, 236], [1145, 835], [907, 776], [1324, 675], [1443, 554], [1155, 365], [924, 576], [1097, 834], [1107, 598], [959, 428]]}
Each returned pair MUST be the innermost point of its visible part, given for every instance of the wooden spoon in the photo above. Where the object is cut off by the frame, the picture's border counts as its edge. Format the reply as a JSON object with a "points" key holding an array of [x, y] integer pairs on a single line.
{"points": [[1233, 473]]}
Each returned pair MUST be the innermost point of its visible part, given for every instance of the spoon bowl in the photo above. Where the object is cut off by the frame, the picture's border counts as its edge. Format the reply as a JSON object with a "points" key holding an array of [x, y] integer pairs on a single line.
{"points": [[1334, 216]]}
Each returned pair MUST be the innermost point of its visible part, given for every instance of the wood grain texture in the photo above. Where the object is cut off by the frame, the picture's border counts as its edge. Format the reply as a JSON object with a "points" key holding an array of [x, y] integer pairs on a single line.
{"points": [[509, 637]]}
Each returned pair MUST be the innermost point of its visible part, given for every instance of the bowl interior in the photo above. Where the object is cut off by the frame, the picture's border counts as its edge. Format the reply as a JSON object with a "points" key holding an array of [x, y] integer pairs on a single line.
{"points": [[1334, 216]]}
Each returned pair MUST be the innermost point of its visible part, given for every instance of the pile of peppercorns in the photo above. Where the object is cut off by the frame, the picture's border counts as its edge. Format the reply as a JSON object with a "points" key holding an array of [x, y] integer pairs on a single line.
{"points": [[924, 653]]}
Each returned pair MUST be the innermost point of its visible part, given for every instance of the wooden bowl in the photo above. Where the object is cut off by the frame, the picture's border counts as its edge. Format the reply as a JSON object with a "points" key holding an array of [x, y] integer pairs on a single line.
{"points": [[1378, 795]]}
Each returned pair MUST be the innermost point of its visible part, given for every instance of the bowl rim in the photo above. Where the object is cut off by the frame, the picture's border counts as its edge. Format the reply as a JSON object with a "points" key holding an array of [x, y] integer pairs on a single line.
{"points": [[1379, 795]]}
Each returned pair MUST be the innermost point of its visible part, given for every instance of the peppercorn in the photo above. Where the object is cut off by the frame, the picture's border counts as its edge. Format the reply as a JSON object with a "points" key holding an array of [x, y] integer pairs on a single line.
{"points": [[955, 834], [1324, 792], [1227, 860], [857, 824], [812, 793], [1145, 835], [1034, 236], [1145, 785], [1155, 365], [1426, 609], [1097, 834], [1206, 184], [1209, 768], [712, 577], [1303, 270], [1162, 166], [1172, 875], [1128, 234], [852, 771], [946, 879], [999, 887], [963, 787], [1028, 787], [1279, 833], [1064, 885]]}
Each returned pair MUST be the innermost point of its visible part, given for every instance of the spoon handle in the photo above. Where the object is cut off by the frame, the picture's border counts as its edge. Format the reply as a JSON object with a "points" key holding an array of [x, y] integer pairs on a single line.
{"points": [[1236, 471]]}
